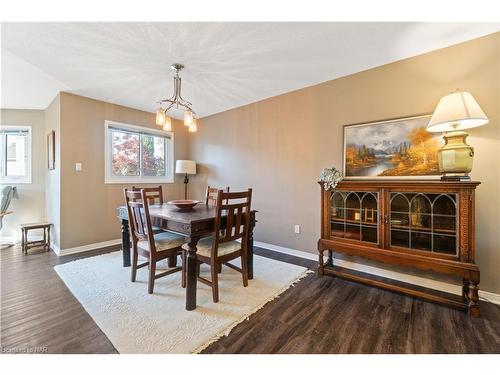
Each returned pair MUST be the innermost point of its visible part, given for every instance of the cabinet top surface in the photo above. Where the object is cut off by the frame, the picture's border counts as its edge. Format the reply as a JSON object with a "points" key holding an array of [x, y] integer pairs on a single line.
{"points": [[395, 183]]}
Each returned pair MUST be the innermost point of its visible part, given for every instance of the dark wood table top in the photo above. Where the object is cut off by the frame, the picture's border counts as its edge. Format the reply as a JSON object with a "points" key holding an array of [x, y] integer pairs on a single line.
{"points": [[200, 212]]}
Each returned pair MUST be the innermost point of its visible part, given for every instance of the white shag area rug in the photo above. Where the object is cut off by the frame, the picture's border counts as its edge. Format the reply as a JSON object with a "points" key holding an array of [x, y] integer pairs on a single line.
{"points": [[137, 322]]}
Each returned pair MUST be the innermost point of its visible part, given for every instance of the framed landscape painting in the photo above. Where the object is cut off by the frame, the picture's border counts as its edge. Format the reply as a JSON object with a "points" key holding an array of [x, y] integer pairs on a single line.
{"points": [[398, 148]]}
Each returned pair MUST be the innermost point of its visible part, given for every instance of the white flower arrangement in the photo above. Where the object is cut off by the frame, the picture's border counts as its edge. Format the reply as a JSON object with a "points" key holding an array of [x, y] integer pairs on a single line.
{"points": [[331, 177]]}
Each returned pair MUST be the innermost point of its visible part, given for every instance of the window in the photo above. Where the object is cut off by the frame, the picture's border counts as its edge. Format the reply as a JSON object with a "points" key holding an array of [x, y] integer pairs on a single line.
{"points": [[15, 159], [137, 154]]}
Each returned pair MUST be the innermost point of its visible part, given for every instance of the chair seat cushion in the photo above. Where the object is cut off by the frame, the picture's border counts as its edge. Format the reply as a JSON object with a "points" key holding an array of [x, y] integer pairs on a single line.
{"points": [[156, 229], [204, 247], [163, 241]]}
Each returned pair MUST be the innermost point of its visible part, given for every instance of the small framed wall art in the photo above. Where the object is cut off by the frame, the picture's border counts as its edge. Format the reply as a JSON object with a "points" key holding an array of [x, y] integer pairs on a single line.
{"points": [[51, 150]]}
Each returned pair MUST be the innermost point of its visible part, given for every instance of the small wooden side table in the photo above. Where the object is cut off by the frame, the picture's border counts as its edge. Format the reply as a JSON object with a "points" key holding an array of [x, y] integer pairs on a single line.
{"points": [[45, 242]]}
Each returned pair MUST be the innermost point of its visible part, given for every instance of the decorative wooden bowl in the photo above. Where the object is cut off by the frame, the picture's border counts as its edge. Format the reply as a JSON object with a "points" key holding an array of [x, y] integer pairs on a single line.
{"points": [[184, 204]]}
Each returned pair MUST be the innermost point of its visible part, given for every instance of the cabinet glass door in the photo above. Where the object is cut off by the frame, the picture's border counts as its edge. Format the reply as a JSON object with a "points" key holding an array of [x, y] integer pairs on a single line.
{"points": [[354, 215], [424, 221]]}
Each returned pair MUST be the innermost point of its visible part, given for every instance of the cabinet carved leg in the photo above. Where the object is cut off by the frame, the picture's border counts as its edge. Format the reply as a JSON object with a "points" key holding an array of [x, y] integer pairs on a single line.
{"points": [[329, 262], [320, 263], [473, 298], [465, 288]]}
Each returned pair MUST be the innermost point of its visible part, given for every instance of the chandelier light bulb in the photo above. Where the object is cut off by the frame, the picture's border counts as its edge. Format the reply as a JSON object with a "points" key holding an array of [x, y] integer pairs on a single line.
{"points": [[160, 116], [188, 118], [193, 127], [167, 124]]}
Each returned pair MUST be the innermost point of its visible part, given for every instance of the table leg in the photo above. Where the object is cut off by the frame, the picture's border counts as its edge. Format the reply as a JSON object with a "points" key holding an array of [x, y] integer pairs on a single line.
{"points": [[125, 243], [250, 247], [192, 278], [48, 238], [22, 240]]}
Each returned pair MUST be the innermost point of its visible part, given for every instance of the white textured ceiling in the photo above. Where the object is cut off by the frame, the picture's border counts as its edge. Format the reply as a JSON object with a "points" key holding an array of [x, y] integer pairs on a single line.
{"points": [[227, 64]]}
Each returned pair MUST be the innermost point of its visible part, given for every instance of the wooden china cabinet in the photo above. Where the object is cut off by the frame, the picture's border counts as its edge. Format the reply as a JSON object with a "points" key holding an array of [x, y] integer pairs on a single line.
{"points": [[424, 224]]}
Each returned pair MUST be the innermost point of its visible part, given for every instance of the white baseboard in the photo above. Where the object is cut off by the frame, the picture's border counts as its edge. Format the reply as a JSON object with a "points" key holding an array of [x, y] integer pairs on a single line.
{"points": [[410, 279], [490, 297], [55, 249], [84, 248]]}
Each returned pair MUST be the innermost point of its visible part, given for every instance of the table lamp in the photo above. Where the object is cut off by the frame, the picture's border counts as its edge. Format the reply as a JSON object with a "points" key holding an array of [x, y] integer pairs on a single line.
{"points": [[454, 113], [185, 167]]}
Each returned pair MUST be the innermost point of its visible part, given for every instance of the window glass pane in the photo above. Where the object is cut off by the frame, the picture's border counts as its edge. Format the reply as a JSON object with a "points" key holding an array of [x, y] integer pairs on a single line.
{"points": [[16, 155], [126, 153], [136, 153], [153, 156]]}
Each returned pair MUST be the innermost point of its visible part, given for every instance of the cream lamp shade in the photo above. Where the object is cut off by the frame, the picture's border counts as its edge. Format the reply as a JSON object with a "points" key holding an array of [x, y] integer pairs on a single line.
{"points": [[454, 113], [185, 167], [457, 111]]}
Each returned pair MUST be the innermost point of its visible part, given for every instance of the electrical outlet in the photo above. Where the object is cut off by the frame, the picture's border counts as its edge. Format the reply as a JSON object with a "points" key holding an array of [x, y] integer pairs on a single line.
{"points": [[297, 228], [78, 167]]}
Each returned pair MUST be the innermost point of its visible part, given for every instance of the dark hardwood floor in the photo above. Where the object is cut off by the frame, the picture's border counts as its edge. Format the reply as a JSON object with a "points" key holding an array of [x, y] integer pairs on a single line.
{"points": [[38, 313]]}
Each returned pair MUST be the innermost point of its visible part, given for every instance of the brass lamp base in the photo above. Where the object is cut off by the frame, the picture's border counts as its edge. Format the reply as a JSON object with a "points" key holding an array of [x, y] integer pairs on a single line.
{"points": [[455, 157]]}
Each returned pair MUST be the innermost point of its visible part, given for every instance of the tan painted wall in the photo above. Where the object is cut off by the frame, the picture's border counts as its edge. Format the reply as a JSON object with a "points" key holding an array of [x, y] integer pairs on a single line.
{"points": [[88, 205], [30, 207], [280, 145]]}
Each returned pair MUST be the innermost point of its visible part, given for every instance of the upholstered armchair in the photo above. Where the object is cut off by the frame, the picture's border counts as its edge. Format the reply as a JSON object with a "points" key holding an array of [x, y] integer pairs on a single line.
{"points": [[8, 192]]}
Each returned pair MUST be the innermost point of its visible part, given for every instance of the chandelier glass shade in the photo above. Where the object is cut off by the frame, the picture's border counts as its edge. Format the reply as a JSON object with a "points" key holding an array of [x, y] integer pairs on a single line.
{"points": [[160, 116], [188, 118], [167, 124], [193, 127], [176, 101]]}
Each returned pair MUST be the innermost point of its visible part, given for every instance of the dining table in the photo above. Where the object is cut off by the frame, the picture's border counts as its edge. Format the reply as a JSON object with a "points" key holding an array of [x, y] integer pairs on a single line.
{"points": [[193, 224]]}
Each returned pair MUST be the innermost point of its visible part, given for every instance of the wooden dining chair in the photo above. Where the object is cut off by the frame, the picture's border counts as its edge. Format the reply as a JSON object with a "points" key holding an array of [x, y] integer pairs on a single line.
{"points": [[211, 196], [153, 247], [233, 215], [154, 194]]}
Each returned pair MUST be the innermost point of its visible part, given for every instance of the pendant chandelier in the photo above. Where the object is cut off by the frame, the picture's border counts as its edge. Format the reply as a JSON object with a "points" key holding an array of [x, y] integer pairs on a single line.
{"points": [[176, 102]]}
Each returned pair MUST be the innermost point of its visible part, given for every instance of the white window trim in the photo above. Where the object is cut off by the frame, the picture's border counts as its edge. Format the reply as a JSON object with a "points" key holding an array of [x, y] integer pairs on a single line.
{"points": [[109, 178], [24, 179]]}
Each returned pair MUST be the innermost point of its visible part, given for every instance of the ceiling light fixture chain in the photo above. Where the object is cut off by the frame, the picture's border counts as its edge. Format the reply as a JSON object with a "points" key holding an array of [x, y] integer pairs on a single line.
{"points": [[178, 102]]}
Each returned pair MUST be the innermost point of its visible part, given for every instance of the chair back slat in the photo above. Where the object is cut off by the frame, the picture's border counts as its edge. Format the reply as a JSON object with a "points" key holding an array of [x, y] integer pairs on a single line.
{"points": [[236, 195], [139, 222], [211, 195], [237, 221], [138, 216], [234, 206], [237, 225], [229, 224], [154, 194]]}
